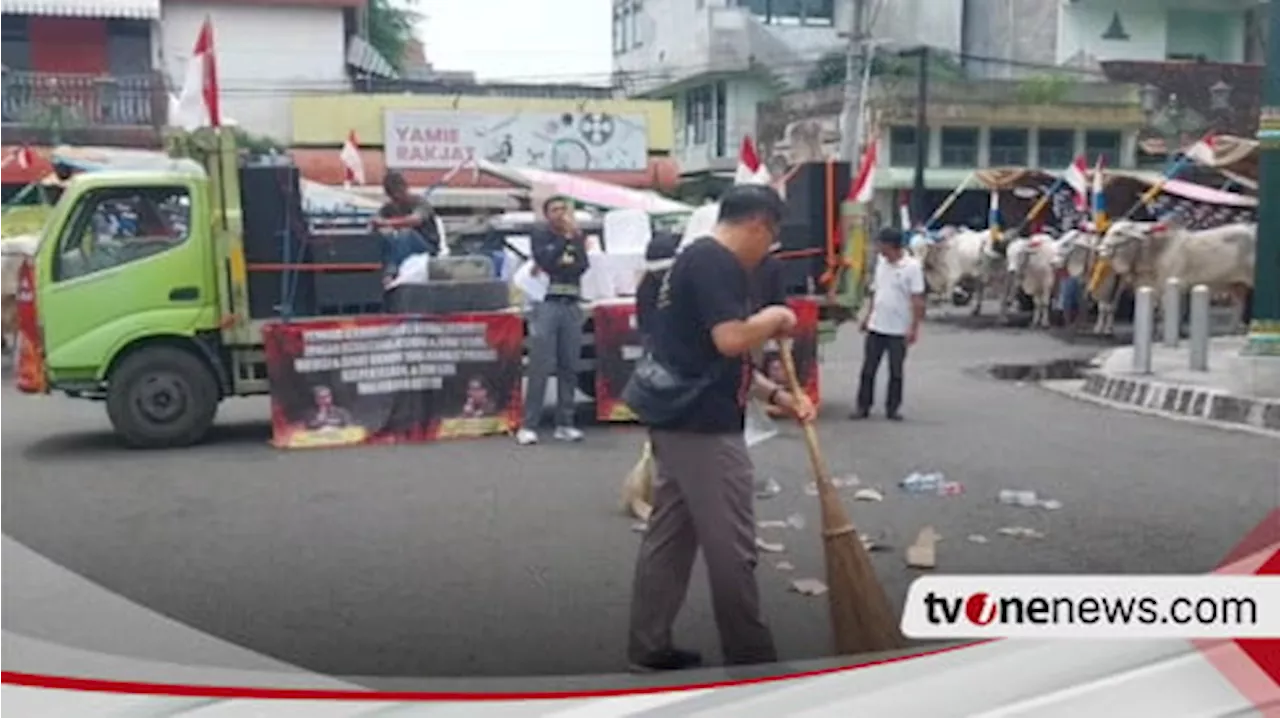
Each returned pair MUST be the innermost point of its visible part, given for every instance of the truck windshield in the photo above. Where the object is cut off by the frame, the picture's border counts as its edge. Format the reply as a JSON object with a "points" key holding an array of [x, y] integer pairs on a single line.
{"points": [[123, 225]]}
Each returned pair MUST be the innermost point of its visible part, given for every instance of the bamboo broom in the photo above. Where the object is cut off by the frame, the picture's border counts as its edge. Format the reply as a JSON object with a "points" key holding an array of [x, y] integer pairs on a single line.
{"points": [[637, 488], [861, 617]]}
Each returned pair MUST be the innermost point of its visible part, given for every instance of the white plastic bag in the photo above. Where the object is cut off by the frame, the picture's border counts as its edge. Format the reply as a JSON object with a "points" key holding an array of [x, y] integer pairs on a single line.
{"points": [[759, 427], [533, 288], [413, 270]]}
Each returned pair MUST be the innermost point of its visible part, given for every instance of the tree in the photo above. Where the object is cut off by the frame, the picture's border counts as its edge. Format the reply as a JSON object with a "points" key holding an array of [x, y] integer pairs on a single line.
{"points": [[391, 27], [830, 69]]}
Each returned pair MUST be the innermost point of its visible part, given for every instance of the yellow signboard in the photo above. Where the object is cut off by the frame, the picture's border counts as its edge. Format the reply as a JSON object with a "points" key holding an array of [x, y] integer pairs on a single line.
{"points": [[326, 119]]}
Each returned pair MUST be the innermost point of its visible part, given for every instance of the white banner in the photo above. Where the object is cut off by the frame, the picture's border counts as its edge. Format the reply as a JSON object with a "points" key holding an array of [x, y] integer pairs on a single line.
{"points": [[559, 141], [1149, 607]]}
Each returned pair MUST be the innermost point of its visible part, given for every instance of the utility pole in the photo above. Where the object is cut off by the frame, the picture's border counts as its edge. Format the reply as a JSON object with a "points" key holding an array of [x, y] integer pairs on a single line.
{"points": [[922, 130], [855, 60]]}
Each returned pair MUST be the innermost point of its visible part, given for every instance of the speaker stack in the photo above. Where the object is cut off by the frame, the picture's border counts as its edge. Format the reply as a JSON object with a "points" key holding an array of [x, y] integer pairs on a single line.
{"points": [[275, 240], [813, 193]]}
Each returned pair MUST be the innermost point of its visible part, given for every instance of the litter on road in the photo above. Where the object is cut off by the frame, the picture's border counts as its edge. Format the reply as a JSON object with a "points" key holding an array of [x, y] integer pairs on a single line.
{"points": [[978, 538], [768, 489], [808, 587], [923, 553], [1020, 532], [796, 521], [640, 527], [771, 524], [784, 566], [868, 495], [769, 547]]}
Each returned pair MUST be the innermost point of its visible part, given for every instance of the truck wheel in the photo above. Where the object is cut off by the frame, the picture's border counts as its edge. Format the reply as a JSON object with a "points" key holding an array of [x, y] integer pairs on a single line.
{"points": [[161, 397]]}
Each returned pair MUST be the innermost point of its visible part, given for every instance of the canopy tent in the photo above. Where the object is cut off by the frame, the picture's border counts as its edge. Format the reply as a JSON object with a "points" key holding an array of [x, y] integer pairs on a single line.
{"points": [[1234, 157], [585, 190], [1196, 204]]}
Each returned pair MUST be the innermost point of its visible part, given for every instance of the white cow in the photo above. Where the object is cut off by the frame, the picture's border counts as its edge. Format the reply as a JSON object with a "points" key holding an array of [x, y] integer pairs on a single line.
{"points": [[956, 256], [1151, 253], [1078, 254], [13, 252], [1031, 264]]}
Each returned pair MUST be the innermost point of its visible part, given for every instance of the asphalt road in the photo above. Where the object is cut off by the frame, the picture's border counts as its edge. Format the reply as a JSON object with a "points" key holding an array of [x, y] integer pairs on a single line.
{"points": [[483, 558]]}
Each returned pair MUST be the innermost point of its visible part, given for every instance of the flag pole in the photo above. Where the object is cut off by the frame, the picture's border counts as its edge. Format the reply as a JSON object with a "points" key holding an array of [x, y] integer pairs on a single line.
{"points": [[950, 200]]}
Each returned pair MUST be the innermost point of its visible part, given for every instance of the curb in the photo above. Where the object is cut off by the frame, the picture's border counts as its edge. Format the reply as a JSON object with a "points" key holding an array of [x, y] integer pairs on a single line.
{"points": [[1073, 389], [1213, 406]]}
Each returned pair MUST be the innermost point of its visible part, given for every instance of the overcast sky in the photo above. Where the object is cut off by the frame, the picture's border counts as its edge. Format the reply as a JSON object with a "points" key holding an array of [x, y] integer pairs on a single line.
{"points": [[521, 40]]}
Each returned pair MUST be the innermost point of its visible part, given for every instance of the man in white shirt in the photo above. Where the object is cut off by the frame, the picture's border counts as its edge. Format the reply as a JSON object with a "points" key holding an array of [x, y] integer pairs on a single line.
{"points": [[892, 322]]}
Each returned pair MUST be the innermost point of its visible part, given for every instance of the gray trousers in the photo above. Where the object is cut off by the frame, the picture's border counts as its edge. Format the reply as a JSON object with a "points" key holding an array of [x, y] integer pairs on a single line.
{"points": [[555, 347], [702, 497]]}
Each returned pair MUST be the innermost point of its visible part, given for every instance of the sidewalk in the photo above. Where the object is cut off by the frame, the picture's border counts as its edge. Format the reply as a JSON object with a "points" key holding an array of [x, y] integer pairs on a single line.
{"points": [[1172, 389]]}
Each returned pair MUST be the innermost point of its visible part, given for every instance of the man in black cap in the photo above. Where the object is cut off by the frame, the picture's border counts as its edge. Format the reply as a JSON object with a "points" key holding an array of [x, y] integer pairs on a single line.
{"points": [[892, 322]]}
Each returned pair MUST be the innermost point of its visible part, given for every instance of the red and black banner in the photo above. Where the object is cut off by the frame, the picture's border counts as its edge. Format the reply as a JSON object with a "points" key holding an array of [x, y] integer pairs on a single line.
{"points": [[618, 347], [30, 350], [394, 379]]}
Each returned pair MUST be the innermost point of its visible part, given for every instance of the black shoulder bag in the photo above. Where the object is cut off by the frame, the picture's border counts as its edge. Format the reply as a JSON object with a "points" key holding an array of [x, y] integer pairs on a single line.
{"points": [[656, 394]]}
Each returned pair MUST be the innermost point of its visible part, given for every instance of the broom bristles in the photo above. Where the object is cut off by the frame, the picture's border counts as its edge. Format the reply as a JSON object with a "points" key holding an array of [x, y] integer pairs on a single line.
{"points": [[637, 488], [862, 620]]}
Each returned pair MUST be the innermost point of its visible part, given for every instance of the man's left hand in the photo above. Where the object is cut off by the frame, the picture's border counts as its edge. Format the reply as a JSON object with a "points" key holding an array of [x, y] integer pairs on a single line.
{"points": [[800, 407], [912, 335]]}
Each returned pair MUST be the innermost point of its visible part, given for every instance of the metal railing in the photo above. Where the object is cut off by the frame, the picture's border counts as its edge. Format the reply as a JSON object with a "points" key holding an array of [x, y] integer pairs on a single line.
{"points": [[62, 100]]}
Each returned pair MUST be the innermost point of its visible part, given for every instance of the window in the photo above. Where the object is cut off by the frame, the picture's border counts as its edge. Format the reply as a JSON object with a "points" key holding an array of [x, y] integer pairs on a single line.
{"points": [[792, 12], [111, 228], [698, 115], [129, 47], [634, 32], [721, 141], [1009, 147], [902, 146], [14, 43], [1104, 143], [1057, 148], [959, 147], [619, 29]]}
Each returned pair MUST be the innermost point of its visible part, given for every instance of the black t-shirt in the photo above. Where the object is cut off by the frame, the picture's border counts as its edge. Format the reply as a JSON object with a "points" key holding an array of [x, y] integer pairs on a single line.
{"points": [[706, 286]]}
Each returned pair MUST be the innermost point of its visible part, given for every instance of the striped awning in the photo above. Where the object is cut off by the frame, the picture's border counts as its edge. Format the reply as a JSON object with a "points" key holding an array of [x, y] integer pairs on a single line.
{"points": [[133, 9], [365, 58]]}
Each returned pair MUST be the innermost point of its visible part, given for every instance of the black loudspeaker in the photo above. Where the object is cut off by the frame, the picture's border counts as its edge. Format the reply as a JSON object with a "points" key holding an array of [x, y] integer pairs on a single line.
{"points": [[271, 202], [814, 194], [813, 204], [266, 292], [346, 249], [345, 293]]}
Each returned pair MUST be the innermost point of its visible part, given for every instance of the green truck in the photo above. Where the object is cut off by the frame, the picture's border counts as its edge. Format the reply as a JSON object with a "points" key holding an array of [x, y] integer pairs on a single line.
{"points": [[159, 326]]}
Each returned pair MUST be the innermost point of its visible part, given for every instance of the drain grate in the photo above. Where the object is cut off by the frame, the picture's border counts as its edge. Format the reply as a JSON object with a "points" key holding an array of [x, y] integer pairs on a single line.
{"points": [[1042, 371]]}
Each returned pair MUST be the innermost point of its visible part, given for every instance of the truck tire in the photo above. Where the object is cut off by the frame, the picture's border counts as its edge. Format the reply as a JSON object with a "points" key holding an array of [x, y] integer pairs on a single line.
{"points": [[161, 397]]}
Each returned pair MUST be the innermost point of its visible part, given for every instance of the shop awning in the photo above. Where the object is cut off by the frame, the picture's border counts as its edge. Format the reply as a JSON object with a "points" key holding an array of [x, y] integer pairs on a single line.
{"points": [[133, 9]]}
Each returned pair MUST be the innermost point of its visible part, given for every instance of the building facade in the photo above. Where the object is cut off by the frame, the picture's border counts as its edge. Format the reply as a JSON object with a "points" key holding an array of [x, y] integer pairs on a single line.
{"points": [[427, 136], [268, 51]]}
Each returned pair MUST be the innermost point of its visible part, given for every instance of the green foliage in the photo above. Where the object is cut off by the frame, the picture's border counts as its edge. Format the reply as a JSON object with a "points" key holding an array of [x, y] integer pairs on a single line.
{"points": [[178, 143], [391, 27], [830, 69], [1044, 90]]}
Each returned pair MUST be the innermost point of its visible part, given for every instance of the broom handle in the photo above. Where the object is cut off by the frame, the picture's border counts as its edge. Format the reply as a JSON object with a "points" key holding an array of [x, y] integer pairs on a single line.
{"points": [[833, 511]]}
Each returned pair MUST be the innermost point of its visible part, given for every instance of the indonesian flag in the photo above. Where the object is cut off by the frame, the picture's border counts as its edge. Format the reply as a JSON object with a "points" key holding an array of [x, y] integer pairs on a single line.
{"points": [[1204, 151], [750, 169], [352, 163], [1076, 177], [196, 105], [864, 185]]}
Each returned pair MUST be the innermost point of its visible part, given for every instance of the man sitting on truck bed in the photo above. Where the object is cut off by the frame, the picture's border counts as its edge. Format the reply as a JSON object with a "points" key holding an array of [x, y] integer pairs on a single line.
{"points": [[408, 226]]}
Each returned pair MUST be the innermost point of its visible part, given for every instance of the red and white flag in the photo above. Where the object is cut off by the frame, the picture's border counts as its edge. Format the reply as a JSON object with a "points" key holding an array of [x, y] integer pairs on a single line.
{"points": [[1204, 151], [864, 184], [749, 165], [196, 105], [1077, 177], [352, 163]]}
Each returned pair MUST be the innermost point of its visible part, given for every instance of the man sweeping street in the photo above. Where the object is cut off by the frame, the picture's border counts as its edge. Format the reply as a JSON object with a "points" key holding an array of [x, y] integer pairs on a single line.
{"points": [[704, 327]]}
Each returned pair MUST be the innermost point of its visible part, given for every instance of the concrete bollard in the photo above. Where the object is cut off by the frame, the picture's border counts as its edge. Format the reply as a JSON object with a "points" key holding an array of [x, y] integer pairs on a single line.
{"points": [[1171, 312], [1143, 330], [1199, 328]]}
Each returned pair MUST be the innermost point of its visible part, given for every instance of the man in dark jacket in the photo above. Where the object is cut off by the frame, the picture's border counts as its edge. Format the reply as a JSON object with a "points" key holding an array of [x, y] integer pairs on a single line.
{"points": [[559, 251], [407, 224]]}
